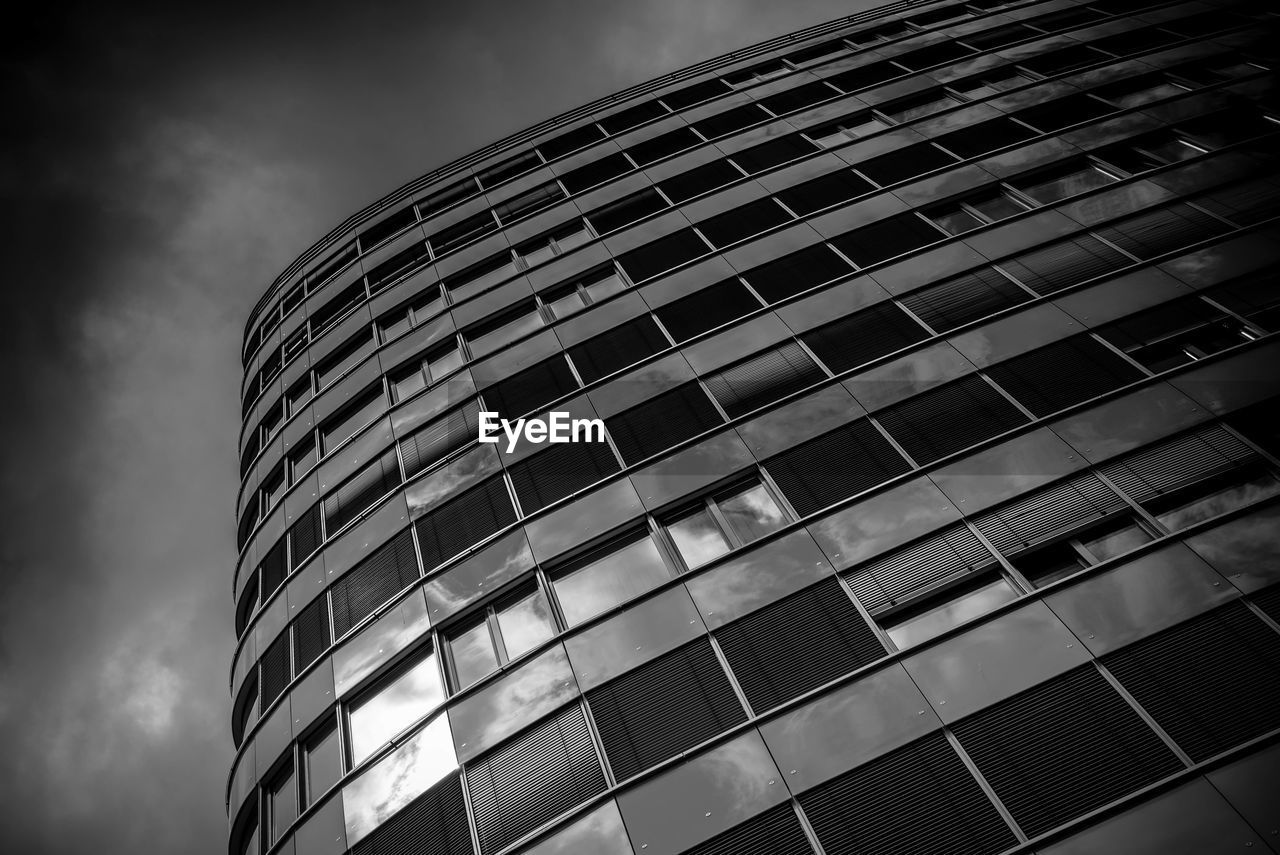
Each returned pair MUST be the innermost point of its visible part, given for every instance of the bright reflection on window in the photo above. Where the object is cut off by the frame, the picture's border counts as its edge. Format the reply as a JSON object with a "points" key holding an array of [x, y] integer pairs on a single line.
{"points": [[473, 654], [394, 707], [608, 581], [525, 624], [403, 775], [963, 608], [698, 538], [1226, 497], [752, 513]]}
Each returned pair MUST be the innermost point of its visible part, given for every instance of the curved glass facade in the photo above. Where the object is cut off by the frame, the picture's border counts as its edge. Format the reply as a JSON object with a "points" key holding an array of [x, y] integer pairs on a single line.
{"points": [[936, 506]]}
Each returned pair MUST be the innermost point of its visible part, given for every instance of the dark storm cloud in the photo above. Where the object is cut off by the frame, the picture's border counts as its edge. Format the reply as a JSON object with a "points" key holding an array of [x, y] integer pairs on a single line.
{"points": [[160, 165]]}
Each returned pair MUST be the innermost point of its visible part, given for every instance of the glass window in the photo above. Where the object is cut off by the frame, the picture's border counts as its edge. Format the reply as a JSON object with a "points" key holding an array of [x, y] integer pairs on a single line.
{"points": [[958, 608], [1114, 539], [846, 129], [751, 513], [989, 85], [302, 459], [958, 217], [394, 324], [1060, 184], [504, 631], [443, 360], [273, 489], [914, 108], [322, 759], [698, 538], [493, 334], [725, 521], [299, 394], [394, 705], [1176, 333], [1215, 496], [283, 805], [407, 381], [575, 296], [604, 582]]}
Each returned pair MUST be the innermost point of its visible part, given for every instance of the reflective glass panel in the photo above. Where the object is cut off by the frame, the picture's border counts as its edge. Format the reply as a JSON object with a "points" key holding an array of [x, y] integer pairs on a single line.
{"points": [[1246, 550], [600, 832], [566, 305], [525, 623], [752, 513], [443, 362], [996, 207], [698, 538], [378, 642], [633, 637], [473, 654], [1060, 185], [605, 582], [962, 608], [394, 706], [404, 385], [1220, 498], [1115, 539], [955, 220], [509, 331], [323, 764], [284, 808], [606, 285]]}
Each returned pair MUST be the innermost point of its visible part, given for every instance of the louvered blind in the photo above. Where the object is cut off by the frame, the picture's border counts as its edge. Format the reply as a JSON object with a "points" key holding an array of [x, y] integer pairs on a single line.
{"points": [[777, 831], [1045, 514], [1063, 264], [1178, 463], [663, 708], [273, 569], [1075, 737], [897, 577], [1162, 230], [275, 669], [799, 643], [304, 537], [1212, 683], [949, 418], [834, 466], [532, 778], [661, 422], [560, 471], [707, 309], [361, 491], [918, 798], [618, 348], [763, 379], [863, 336], [440, 438], [965, 298], [372, 582], [531, 389], [1064, 373], [434, 822], [311, 632], [796, 272], [464, 521]]}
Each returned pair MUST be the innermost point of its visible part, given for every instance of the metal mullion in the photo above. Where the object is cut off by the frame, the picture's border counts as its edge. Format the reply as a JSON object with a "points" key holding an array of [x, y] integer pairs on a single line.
{"points": [[713, 508], [775, 493], [1006, 566], [1137, 509], [893, 442], [1182, 756], [1147, 372], [1000, 389], [990, 792]]}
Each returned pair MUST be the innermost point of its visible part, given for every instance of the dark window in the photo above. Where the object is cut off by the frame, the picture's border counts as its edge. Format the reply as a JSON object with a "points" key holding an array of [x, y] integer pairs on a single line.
{"points": [[936, 54], [1063, 735], [919, 106], [571, 142], [626, 211], [248, 602], [361, 491], [905, 163], [508, 169], [330, 312], [863, 336], [311, 632], [1171, 227], [798, 98], [441, 199], [984, 137], [372, 582], [304, 537], [763, 379], [531, 389], [730, 121], [1064, 60], [698, 702], [1253, 298], [741, 223], [695, 94], [818, 51], [1063, 181], [886, 239], [440, 438], [662, 422], [491, 270], [1244, 204], [273, 569], [662, 146], [247, 521], [949, 418], [706, 309], [1067, 372], [773, 153], [796, 272], [537, 199], [532, 778], [618, 348], [358, 414], [464, 231], [918, 798], [596, 172], [323, 274], [835, 466], [825, 192], [1135, 41], [662, 255], [701, 179], [867, 75], [1065, 20], [246, 706], [961, 299], [1064, 112], [772, 651], [998, 37], [392, 225], [464, 521], [345, 357], [275, 670], [1060, 265], [632, 117], [560, 471]]}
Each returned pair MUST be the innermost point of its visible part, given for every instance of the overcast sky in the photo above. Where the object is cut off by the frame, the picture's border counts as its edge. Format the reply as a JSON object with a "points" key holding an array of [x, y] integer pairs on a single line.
{"points": [[159, 167]]}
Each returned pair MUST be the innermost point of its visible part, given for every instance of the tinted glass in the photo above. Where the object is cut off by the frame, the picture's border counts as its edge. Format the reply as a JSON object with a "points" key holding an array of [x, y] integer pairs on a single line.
{"points": [[954, 611], [600, 832], [323, 759], [698, 538], [395, 705], [525, 623], [752, 513], [605, 582], [473, 654]]}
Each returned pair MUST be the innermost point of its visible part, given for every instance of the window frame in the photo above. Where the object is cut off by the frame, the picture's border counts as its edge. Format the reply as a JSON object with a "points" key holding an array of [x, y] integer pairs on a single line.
{"points": [[487, 614]]}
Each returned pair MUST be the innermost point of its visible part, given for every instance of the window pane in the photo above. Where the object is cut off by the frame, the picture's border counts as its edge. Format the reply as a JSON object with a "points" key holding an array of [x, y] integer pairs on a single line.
{"points": [[566, 305], [395, 706], [510, 330], [525, 624], [473, 654], [997, 207], [611, 580], [955, 220], [1243, 489], [323, 765], [406, 384], [284, 809], [1115, 540], [442, 363], [954, 612], [698, 538], [608, 284], [395, 325], [752, 513], [1060, 185]]}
